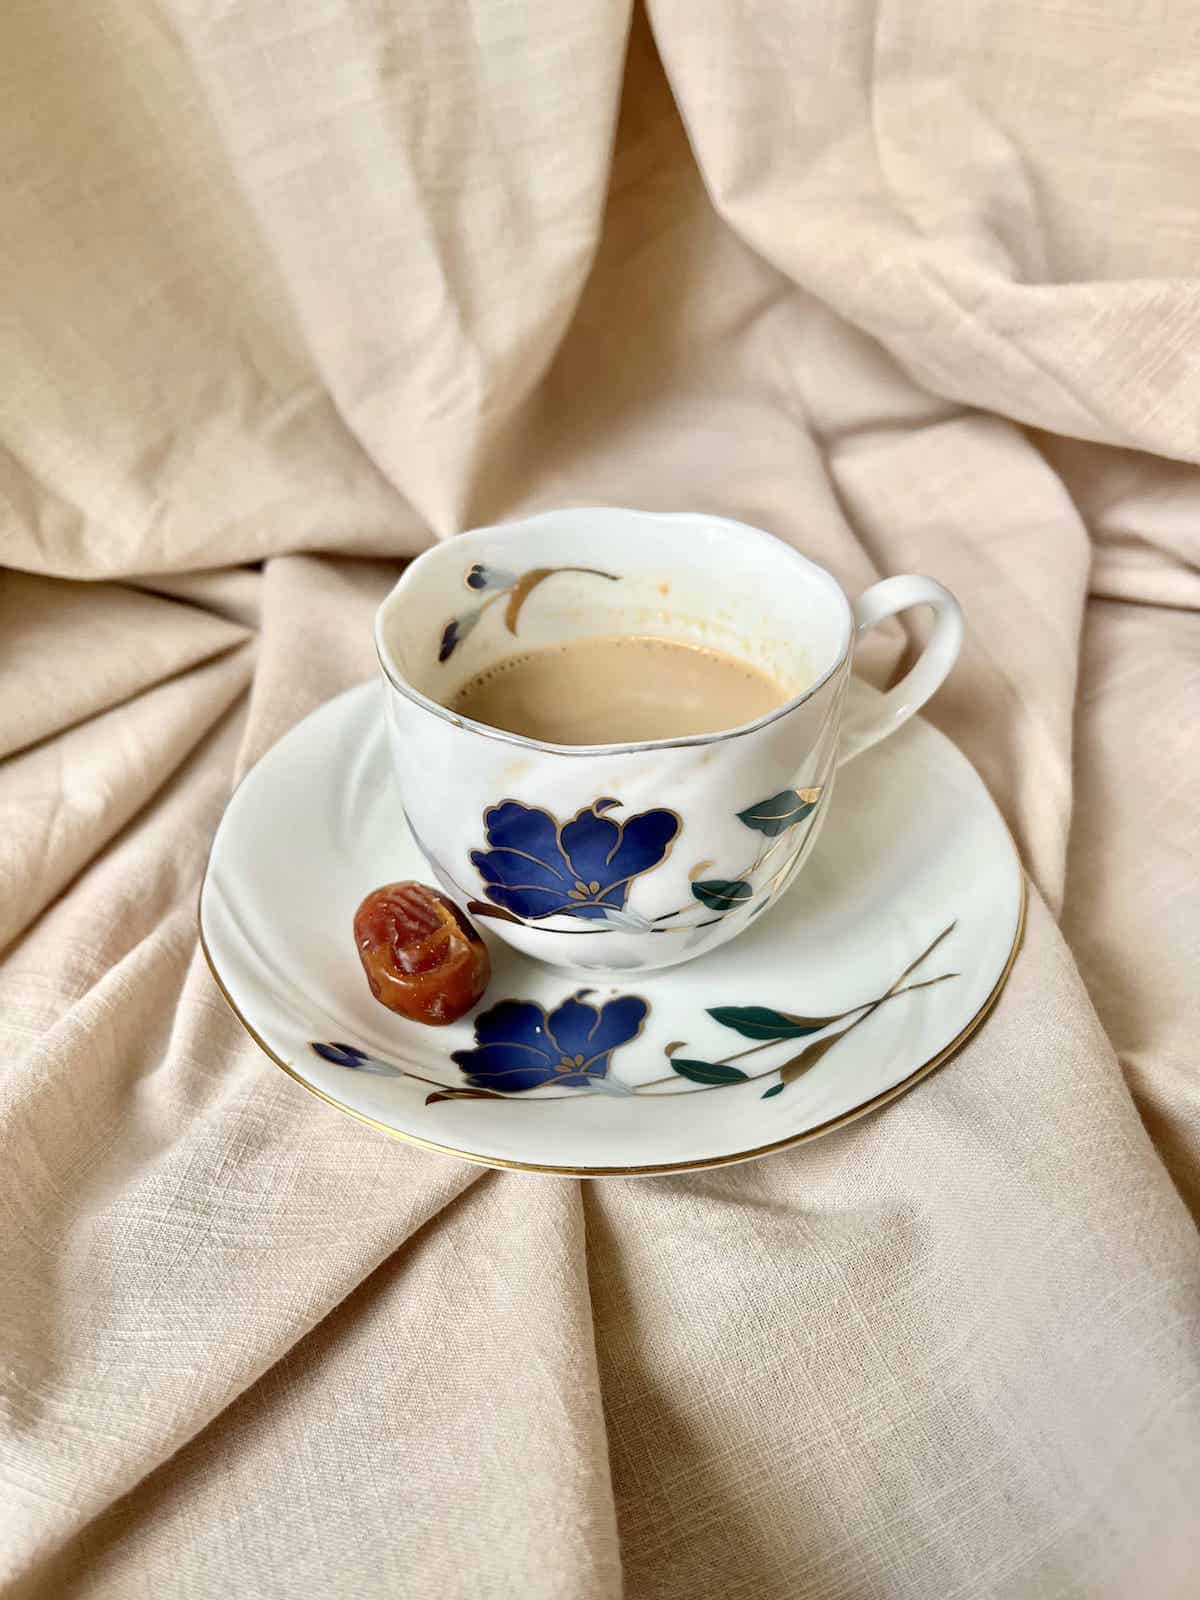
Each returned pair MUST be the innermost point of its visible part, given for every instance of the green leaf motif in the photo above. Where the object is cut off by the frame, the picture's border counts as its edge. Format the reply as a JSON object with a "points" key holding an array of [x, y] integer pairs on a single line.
{"points": [[781, 812], [776, 1088], [722, 894], [708, 1072], [760, 1022]]}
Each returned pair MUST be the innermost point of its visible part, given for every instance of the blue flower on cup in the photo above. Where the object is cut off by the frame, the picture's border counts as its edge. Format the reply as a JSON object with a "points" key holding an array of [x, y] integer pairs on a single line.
{"points": [[519, 1046], [494, 583], [481, 578], [537, 867]]}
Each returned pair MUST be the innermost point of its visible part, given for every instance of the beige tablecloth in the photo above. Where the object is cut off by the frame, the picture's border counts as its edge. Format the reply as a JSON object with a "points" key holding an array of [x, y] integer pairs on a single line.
{"points": [[288, 290]]}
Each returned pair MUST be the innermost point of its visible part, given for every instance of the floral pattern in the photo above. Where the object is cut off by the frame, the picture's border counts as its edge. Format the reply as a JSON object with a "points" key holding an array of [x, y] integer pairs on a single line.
{"points": [[481, 578], [769, 1027], [537, 867], [342, 1055], [773, 818], [519, 1046], [495, 583], [349, 1055]]}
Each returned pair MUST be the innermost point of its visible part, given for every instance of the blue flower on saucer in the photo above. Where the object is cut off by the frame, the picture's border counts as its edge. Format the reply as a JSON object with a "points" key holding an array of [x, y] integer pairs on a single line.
{"points": [[343, 1055], [349, 1055], [538, 867], [518, 1046]]}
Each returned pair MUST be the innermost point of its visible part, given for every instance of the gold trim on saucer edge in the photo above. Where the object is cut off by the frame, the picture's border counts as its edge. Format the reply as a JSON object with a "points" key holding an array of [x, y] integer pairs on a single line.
{"points": [[658, 1169]]}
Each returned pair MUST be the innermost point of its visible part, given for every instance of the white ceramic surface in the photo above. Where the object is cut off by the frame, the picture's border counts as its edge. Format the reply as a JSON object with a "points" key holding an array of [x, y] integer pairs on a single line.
{"points": [[914, 846], [629, 858]]}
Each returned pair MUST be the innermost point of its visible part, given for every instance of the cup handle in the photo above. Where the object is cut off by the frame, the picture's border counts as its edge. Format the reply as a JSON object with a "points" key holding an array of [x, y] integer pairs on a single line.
{"points": [[884, 600]]}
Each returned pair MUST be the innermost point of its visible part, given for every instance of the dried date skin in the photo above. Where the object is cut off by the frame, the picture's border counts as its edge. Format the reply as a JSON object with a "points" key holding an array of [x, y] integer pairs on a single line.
{"points": [[422, 958]]}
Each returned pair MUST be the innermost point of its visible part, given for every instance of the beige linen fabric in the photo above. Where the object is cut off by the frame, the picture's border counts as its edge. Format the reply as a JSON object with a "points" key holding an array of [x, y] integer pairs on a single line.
{"points": [[312, 285]]}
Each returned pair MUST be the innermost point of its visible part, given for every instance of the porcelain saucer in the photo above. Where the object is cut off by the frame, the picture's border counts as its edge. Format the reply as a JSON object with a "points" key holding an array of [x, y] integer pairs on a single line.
{"points": [[874, 967]]}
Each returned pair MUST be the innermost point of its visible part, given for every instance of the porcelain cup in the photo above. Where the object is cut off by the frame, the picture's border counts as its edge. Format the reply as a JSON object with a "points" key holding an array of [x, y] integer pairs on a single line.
{"points": [[631, 857]]}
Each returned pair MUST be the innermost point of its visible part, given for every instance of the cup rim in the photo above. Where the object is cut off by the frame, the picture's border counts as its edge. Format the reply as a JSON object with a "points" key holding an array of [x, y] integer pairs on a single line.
{"points": [[397, 681]]}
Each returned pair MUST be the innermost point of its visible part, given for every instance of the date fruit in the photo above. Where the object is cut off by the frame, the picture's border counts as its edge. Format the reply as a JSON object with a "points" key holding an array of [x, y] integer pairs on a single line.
{"points": [[421, 956]]}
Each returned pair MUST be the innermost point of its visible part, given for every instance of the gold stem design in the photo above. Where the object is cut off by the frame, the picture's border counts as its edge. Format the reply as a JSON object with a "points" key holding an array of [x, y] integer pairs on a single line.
{"points": [[867, 1009]]}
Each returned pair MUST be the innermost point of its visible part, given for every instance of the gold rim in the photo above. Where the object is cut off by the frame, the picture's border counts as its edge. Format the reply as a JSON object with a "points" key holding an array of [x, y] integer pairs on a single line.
{"points": [[656, 1169]]}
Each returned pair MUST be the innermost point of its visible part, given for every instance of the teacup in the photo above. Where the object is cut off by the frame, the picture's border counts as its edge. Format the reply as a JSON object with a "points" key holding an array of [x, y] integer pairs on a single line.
{"points": [[631, 857]]}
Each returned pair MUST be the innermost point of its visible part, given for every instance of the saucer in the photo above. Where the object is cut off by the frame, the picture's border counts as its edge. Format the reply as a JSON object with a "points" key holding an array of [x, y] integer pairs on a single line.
{"points": [[874, 967]]}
